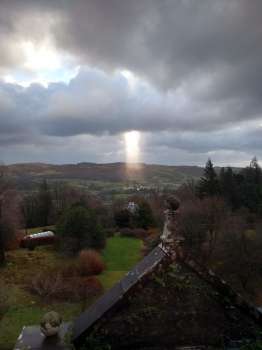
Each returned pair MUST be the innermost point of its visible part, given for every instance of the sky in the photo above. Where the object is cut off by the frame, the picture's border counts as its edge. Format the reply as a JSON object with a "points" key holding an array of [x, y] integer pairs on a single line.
{"points": [[176, 81]]}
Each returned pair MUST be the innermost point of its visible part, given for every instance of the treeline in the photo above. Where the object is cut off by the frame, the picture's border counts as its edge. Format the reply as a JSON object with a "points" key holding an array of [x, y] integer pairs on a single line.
{"points": [[81, 219], [221, 220], [140, 217], [45, 205], [238, 188]]}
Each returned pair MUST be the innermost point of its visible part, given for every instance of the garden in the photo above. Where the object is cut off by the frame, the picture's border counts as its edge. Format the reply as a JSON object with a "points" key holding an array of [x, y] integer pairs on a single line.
{"points": [[37, 281]]}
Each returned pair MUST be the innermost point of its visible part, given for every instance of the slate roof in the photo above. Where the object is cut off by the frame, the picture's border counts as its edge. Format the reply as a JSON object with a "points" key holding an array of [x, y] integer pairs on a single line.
{"points": [[175, 307], [104, 304], [167, 312]]}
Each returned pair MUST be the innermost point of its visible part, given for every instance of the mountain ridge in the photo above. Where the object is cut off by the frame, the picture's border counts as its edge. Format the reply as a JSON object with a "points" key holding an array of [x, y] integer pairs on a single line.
{"points": [[112, 172], [115, 172]]}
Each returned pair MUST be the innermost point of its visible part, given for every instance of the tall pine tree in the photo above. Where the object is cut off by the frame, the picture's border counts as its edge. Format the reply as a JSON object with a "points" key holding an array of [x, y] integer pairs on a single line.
{"points": [[229, 187], [251, 187], [209, 183]]}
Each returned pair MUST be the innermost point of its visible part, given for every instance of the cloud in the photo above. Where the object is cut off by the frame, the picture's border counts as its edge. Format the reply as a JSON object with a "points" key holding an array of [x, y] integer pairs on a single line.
{"points": [[99, 103], [165, 42], [196, 68], [96, 108]]}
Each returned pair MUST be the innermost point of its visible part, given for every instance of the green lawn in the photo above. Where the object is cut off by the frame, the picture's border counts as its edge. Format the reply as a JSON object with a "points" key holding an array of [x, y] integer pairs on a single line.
{"points": [[120, 255]]}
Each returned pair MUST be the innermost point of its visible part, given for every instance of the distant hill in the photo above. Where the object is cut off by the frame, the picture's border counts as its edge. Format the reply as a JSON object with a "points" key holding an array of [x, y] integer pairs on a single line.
{"points": [[112, 172]]}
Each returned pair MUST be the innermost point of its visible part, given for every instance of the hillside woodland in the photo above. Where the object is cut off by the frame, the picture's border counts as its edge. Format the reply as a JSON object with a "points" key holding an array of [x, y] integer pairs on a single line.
{"points": [[220, 217]]}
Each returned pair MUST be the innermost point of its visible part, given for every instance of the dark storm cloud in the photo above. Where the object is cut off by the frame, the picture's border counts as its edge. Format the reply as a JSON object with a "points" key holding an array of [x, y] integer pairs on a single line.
{"points": [[199, 63], [166, 41], [174, 44], [96, 103]]}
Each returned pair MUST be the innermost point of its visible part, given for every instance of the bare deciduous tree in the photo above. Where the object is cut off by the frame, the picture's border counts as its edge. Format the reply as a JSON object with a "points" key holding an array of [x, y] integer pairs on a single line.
{"points": [[200, 223], [9, 212]]}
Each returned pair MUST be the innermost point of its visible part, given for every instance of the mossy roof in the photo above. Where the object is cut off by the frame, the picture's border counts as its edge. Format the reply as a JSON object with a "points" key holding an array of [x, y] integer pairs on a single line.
{"points": [[174, 307]]}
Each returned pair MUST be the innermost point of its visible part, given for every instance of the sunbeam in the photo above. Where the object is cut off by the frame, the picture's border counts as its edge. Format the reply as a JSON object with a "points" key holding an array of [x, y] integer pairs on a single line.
{"points": [[132, 144]]}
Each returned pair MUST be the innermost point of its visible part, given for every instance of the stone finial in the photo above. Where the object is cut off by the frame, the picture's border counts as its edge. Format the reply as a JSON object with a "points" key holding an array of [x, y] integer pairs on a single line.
{"points": [[172, 203], [50, 323]]}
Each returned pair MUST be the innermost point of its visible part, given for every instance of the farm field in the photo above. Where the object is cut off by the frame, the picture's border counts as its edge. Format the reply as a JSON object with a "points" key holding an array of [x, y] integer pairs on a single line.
{"points": [[120, 255]]}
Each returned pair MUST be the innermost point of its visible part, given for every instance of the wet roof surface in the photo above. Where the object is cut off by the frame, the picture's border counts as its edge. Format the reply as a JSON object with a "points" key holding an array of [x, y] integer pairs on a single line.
{"points": [[115, 294]]}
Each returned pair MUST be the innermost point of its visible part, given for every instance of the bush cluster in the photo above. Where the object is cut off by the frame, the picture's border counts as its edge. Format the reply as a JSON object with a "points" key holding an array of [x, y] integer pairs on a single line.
{"points": [[141, 218], [74, 281], [134, 232], [52, 285], [90, 263], [79, 228]]}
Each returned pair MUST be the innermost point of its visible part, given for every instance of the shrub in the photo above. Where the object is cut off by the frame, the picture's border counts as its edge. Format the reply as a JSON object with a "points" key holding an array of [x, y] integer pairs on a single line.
{"points": [[257, 345], [92, 285], [110, 231], [14, 243], [70, 270], [122, 218], [80, 288], [140, 233], [48, 284], [71, 281], [67, 245], [52, 285], [78, 227], [126, 231], [136, 232], [95, 343], [90, 263], [153, 233], [143, 217]]}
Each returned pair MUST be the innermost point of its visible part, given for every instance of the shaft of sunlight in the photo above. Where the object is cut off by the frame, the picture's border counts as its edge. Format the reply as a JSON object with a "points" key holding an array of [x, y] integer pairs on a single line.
{"points": [[132, 146]]}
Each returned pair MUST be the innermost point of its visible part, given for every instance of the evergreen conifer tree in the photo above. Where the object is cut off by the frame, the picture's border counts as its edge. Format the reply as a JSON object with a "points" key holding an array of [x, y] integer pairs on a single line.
{"points": [[209, 183]]}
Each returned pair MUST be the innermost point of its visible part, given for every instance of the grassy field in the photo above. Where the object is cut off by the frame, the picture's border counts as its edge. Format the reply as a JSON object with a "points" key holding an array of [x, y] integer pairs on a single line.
{"points": [[120, 255]]}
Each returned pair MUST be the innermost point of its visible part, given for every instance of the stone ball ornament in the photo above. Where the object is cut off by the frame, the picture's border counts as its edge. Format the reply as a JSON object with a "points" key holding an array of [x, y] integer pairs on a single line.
{"points": [[50, 323], [172, 203]]}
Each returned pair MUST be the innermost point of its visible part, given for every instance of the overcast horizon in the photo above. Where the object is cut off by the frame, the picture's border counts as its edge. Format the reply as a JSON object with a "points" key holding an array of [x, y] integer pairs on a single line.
{"points": [[76, 78], [141, 163]]}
